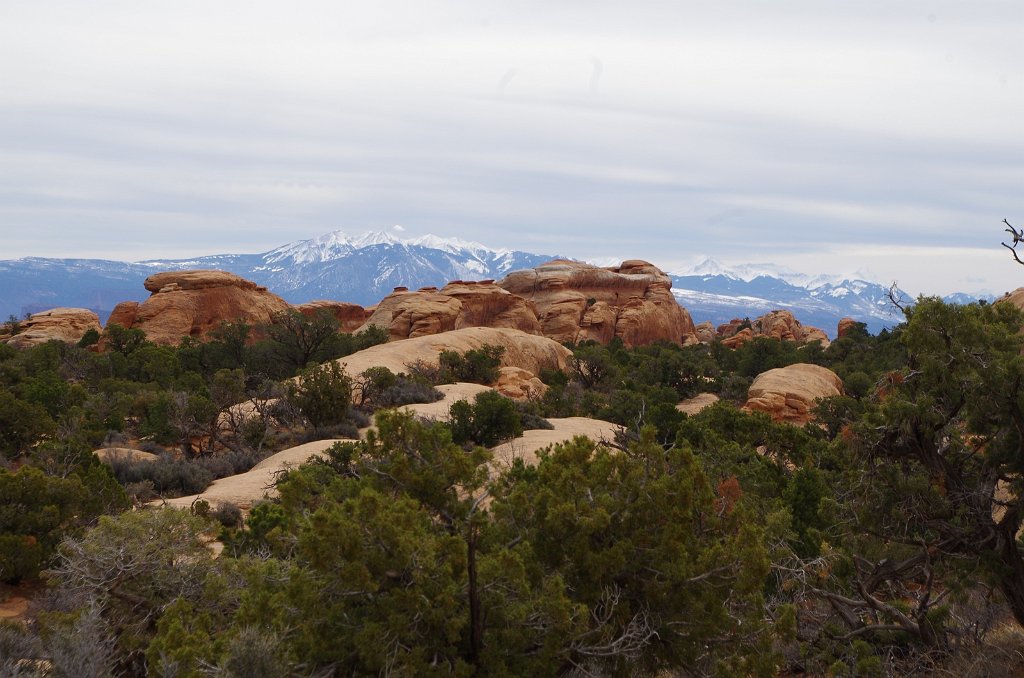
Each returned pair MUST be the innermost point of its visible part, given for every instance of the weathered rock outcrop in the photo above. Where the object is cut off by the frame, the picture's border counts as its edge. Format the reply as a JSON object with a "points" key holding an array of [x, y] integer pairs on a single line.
{"points": [[62, 324], [1015, 297], [191, 303], [845, 325], [406, 314], [777, 324], [458, 305], [740, 338], [527, 351], [350, 317], [519, 384], [705, 332], [789, 393], [577, 302]]}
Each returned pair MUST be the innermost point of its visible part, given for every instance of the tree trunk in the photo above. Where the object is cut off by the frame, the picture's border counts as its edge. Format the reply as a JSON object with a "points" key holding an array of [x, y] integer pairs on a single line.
{"points": [[476, 621]]}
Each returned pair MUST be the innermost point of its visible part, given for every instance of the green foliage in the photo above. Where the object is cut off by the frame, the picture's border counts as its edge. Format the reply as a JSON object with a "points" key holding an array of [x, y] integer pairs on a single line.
{"points": [[491, 419], [90, 338], [478, 365], [123, 340], [635, 547], [298, 340], [22, 424], [39, 510], [323, 394]]}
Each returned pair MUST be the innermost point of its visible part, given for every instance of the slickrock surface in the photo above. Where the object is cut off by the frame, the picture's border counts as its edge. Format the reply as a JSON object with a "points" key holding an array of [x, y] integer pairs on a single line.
{"points": [[191, 303], [247, 488], [350, 317], [452, 393], [697, 403], [527, 351], [526, 446], [789, 393], [1015, 297], [63, 324], [576, 302]]}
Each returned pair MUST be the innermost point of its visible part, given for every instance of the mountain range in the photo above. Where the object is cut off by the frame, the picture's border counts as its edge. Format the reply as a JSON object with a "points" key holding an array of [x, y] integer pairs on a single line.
{"points": [[365, 268]]}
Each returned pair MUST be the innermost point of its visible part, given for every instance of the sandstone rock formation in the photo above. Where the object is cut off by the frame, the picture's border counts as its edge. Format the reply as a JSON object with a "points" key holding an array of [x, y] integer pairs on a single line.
{"points": [[519, 384], [458, 305], [777, 324], [845, 325], [526, 446], [350, 317], [191, 303], [62, 324], [740, 338], [705, 332], [527, 351], [697, 403], [577, 302], [1015, 297], [245, 489], [789, 393]]}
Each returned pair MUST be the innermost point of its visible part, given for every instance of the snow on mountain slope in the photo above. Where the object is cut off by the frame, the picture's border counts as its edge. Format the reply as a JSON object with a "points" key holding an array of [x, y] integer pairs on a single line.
{"points": [[366, 267]]}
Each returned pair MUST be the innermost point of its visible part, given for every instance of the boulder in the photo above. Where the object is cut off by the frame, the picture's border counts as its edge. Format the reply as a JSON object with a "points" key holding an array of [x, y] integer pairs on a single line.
{"points": [[519, 384], [789, 393], [578, 302], [61, 324], [350, 317], [191, 303]]}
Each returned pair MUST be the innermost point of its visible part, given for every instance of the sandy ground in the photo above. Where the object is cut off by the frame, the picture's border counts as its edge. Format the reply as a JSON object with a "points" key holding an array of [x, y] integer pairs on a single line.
{"points": [[14, 608], [106, 453], [246, 488], [697, 403]]}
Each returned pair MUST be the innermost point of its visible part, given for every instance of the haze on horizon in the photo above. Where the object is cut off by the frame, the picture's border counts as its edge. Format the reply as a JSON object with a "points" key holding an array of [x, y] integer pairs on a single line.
{"points": [[876, 137]]}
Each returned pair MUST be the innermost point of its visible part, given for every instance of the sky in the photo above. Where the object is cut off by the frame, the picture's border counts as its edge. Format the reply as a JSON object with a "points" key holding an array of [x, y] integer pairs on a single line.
{"points": [[878, 137]]}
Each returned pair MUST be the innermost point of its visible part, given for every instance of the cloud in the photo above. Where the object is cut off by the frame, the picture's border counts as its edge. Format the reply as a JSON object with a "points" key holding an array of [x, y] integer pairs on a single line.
{"points": [[660, 130]]}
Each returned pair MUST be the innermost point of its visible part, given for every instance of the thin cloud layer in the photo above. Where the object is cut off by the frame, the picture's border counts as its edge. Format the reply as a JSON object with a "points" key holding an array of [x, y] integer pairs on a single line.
{"points": [[873, 136]]}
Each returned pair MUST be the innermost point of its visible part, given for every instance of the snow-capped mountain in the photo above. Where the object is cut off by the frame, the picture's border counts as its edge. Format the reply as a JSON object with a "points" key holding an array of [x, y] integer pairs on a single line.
{"points": [[360, 268], [365, 268]]}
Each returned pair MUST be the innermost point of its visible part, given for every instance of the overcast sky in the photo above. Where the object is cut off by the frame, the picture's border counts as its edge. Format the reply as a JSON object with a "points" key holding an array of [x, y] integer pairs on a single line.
{"points": [[875, 136]]}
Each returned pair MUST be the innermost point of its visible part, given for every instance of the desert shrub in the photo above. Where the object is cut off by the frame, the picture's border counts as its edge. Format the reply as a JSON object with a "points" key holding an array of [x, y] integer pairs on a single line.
{"points": [[323, 394], [478, 365], [227, 514], [531, 421], [168, 476], [491, 419], [428, 373], [380, 387], [140, 492]]}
